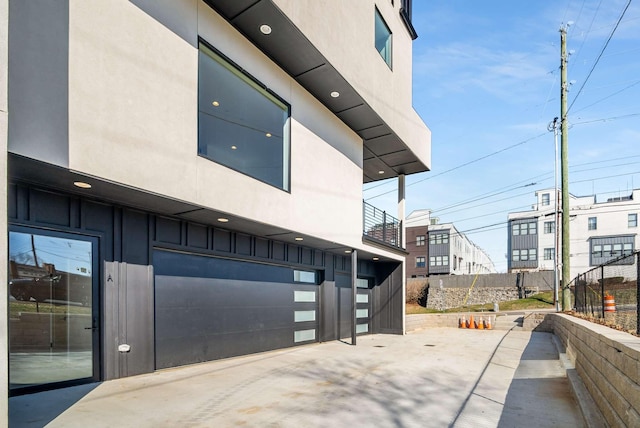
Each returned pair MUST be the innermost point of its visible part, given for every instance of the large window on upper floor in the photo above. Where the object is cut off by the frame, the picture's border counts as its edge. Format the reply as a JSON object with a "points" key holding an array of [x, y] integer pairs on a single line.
{"points": [[383, 38], [241, 124]]}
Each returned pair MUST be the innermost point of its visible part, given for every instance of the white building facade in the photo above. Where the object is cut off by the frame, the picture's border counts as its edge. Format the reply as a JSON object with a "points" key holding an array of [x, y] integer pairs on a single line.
{"points": [[185, 179], [599, 232]]}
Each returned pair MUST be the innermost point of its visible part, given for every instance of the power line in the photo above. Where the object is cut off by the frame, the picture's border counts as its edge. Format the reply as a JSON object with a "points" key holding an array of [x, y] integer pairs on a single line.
{"points": [[599, 55], [464, 164]]}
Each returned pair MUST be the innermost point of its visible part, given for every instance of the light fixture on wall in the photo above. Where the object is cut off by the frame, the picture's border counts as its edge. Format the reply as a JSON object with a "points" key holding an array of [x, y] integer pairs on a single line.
{"points": [[265, 29]]}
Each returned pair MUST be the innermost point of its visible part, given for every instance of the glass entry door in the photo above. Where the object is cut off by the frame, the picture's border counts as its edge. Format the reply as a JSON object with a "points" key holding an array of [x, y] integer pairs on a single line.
{"points": [[52, 309]]}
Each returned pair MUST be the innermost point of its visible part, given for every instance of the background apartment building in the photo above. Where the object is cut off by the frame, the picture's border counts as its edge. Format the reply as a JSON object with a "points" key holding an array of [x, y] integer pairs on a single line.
{"points": [[599, 232], [185, 180], [440, 249]]}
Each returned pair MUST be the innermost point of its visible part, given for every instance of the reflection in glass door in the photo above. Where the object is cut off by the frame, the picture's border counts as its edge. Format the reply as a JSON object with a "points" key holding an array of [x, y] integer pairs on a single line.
{"points": [[52, 324]]}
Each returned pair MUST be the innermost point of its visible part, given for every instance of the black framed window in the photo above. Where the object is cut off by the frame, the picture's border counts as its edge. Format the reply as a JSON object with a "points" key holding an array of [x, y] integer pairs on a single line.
{"points": [[383, 38], [593, 223], [241, 124]]}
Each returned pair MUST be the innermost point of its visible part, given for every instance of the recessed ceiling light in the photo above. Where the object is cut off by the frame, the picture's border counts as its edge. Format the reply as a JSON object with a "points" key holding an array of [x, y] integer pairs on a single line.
{"points": [[215, 103], [381, 172], [268, 134], [335, 94], [233, 147], [82, 184], [375, 259], [299, 238], [347, 251], [265, 29], [223, 220]]}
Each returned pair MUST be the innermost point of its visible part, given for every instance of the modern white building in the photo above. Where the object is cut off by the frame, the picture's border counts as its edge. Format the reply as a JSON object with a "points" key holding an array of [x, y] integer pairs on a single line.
{"points": [[440, 249], [599, 231], [185, 179]]}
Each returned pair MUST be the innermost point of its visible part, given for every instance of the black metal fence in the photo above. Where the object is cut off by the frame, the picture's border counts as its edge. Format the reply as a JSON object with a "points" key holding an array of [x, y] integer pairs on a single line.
{"points": [[381, 226], [611, 292]]}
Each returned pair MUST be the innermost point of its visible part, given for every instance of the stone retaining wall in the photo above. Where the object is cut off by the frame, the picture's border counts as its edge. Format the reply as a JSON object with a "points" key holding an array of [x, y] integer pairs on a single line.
{"points": [[608, 363], [445, 298]]}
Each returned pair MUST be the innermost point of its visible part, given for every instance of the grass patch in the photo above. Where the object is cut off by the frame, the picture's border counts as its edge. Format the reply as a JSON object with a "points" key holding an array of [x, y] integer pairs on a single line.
{"points": [[537, 301]]}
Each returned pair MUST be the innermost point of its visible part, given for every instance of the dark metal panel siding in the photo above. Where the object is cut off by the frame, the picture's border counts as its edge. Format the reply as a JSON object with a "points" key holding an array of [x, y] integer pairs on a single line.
{"points": [[222, 240], [197, 236], [523, 242], [168, 230], [328, 318], [388, 306], [609, 240], [49, 208], [135, 237], [12, 202]]}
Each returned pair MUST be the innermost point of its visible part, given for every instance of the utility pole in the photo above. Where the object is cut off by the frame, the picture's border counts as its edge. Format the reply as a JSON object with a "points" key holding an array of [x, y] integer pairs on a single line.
{"points": [[564, 167]]}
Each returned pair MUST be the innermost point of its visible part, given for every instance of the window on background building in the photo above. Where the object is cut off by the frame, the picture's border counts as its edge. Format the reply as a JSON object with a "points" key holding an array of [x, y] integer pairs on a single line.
{"points": [[420, 262], [549, 226], [420, 240], [549, 253], [241, 124], [616, 250], [597, 251], [383, 38], [628, 249], [545, 199], [593, 223], [533, 228], [633, 220], [533, 254], [515, 229], [515, 255]]}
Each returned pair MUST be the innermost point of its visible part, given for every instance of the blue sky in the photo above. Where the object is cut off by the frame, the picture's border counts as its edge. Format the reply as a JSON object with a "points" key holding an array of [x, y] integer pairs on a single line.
{"points": [[487, 83]]}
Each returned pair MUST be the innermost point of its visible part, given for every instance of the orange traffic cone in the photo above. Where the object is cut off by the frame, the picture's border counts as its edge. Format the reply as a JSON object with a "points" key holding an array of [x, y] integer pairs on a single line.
{"points": [[462, 322], [488, 323], [470, 324], [481, 324]]}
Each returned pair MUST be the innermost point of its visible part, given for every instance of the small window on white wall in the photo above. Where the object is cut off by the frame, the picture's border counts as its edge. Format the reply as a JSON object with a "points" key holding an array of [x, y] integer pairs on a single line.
{"points": [[383, 38]]}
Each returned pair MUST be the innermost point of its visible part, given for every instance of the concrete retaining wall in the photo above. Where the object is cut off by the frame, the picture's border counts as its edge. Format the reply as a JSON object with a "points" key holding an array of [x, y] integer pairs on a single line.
{"points": [[608, 362]]}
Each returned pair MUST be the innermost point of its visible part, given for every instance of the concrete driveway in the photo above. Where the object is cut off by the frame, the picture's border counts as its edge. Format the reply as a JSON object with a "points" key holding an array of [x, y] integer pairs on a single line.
{"points": [[432, 378]]}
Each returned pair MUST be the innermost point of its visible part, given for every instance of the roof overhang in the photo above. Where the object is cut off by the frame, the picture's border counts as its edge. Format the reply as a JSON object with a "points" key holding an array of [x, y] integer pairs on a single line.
{"points": [[385, 155]]}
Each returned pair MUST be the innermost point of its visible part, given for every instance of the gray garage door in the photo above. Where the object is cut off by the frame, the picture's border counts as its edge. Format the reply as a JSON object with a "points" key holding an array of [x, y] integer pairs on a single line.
{"points": [[208, 308]]}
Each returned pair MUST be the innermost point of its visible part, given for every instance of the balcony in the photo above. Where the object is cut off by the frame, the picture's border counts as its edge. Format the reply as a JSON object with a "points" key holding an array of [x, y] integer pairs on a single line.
{"points": [[381, 227]]}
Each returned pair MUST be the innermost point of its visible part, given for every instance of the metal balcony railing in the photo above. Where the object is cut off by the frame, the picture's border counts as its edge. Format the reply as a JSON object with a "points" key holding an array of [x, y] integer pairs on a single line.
{"points": [[380, 226]]}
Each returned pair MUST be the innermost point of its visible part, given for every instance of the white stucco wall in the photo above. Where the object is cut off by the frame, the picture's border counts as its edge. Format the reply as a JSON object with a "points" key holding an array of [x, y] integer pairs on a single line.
{"points": [[133, 120], [343, 31]]}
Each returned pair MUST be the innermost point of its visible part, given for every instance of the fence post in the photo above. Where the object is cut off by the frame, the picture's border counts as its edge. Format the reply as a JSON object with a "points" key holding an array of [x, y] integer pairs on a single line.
{"points": [[384, 226], [602, 289], [637, 293]]}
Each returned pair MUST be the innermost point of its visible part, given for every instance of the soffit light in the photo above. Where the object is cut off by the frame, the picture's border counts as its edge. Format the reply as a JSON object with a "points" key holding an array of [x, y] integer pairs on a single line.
{"points": [[375, 259], [381, 172], [335, 94], [233, 147], [223, 220], [268, 134], [347, 251], [265, 29], [299, 238], [82, 184], [215, 103]]}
